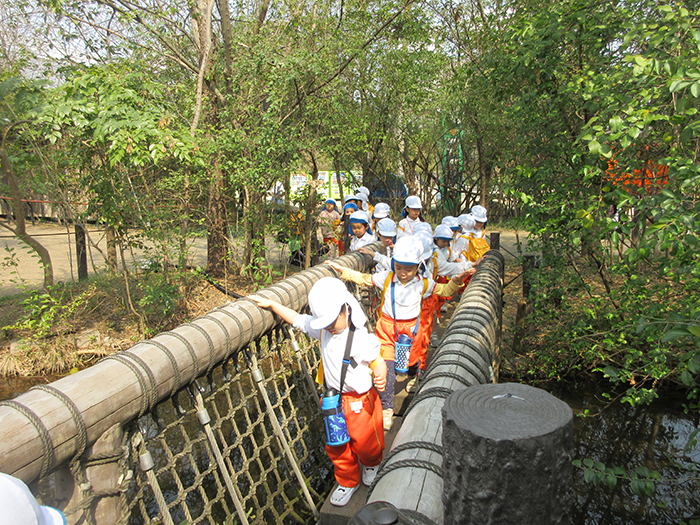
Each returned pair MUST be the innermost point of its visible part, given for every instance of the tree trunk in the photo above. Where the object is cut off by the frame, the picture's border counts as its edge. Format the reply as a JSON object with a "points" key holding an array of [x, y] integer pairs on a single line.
{"points": [[217, 238], [484, 169], [112, 250], [20, 229], [254, 241], [309, 222]]}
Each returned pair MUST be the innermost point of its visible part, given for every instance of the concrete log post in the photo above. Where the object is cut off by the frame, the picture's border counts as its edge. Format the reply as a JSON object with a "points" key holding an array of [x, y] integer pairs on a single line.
{"points": [[495, 239], [507, 451]]}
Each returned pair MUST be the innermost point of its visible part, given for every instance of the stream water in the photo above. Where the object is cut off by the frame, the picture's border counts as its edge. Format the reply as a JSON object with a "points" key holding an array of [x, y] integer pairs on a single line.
{"points": [[657, 436]]}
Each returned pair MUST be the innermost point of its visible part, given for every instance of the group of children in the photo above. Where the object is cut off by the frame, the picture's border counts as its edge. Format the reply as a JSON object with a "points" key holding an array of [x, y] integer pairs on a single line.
{"points": [[421, 269]]}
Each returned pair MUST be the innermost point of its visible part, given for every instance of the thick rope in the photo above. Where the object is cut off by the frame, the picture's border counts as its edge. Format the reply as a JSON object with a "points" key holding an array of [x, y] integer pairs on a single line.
{"points": [[139, 377], [204, 420], [46, 441], [190, 350], [75, 413], [224, 330], [173, 363], [206, 335], [439, 392]]}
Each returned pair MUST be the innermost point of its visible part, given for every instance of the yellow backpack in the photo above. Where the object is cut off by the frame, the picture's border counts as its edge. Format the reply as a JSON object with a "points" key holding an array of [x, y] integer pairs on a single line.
{"points": [[477, 247]]}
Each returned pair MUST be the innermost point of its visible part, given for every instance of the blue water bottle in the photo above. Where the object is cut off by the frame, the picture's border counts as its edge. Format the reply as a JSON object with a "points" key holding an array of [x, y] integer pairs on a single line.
{"points": [[402, 351], [334, 419]]}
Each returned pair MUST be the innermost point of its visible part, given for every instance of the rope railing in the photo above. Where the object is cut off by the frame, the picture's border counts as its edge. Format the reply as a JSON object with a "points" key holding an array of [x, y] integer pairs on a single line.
{"points": [[248, 446]]}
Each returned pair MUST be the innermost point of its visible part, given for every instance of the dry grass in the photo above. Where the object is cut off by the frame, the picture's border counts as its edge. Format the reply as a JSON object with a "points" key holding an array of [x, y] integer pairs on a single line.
{"points": [[101, 325]]}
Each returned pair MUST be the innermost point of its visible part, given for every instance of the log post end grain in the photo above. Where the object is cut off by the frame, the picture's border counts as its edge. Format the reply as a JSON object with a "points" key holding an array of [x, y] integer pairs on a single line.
{"points": [[507, 455]]}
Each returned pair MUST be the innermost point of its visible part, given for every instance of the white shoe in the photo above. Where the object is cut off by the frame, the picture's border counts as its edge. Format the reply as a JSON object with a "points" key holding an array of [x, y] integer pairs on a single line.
{"points": [[341, 495], [388, 414], [368, 474], [443, 309], [434, 341], [412, 385]]}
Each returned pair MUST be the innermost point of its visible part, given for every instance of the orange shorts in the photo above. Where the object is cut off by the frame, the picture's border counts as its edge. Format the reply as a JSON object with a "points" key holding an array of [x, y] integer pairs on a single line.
{"points": [[386, 331], [363, 416]]}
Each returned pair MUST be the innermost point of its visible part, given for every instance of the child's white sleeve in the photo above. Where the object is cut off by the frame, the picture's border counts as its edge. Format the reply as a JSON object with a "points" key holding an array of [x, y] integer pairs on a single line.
{"points": [[382, 259], [301, 323], [368, 350]]}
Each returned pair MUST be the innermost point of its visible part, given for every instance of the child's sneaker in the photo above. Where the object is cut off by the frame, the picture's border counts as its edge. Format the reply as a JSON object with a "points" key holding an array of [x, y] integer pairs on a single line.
{"points": [[412, 385], [388, 414], [368, 474], [341, 495]]}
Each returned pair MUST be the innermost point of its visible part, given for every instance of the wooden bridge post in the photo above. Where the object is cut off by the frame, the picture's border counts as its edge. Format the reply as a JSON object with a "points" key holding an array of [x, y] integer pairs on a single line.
{"points": [[104, 476], [81, 252], [495, 239], [507, 452], [528, 265]]}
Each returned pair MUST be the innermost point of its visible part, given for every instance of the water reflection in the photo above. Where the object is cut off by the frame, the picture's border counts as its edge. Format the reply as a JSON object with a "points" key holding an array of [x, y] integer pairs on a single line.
{"points": [[654, 436]]}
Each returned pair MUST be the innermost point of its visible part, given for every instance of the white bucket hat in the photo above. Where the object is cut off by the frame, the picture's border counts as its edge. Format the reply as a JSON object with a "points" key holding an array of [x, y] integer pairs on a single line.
{"points": [[386, 227], [444, 232], [451, 222], [413, 201], [408, 250], [359, 216], [426, 240], [467, 222], [363, 189], [21, 507], [381, 210], [479, 213], [423, 227], [326, 298]]}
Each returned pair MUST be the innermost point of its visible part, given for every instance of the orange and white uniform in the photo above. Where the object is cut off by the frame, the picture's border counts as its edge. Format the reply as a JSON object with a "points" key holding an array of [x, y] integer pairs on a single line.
{"points": [[361, 404]]}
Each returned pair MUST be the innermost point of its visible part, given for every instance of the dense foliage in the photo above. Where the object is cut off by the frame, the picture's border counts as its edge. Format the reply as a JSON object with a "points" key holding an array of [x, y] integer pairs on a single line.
{"points": [[179, 117]]}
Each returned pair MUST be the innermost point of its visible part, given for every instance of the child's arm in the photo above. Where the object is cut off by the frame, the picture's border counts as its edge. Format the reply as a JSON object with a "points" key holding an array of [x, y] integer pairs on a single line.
{"points": [[284, 312], [347, 274], [449, 289], [379, 369]]}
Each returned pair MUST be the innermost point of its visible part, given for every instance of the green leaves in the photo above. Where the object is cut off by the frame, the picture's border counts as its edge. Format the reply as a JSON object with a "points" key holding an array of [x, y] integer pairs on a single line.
{"points": [[642, 481]]}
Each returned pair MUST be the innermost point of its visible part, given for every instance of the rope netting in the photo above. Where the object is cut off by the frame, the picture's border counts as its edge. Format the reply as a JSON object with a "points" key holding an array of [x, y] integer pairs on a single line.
{"points": [[242, 444]]}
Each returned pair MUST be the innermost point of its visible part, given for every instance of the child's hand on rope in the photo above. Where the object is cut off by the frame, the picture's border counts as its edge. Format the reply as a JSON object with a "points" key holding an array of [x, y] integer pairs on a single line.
{"points": [[262, 302], [335, 266], [459, 279]]}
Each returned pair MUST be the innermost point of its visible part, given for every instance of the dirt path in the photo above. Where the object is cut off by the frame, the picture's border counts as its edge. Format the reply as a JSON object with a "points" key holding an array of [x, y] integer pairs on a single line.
{"points": [[20, 268]]}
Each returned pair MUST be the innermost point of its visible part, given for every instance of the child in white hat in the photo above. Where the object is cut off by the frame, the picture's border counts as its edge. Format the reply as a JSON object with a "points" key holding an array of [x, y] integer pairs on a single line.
{"points": [[473, 243], [328, 220], [386, 232], [361, 230], [411, 216], [438, 267], [403, 291], [381, 211], [334, 314]]}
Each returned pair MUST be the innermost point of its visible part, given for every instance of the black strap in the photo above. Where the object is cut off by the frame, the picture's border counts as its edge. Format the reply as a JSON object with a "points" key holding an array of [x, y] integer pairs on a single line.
{"points": [[346, 357]]}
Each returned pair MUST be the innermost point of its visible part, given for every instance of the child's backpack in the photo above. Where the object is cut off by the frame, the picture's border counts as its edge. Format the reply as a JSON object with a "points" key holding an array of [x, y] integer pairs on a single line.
{"points": [[477, 247]]}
